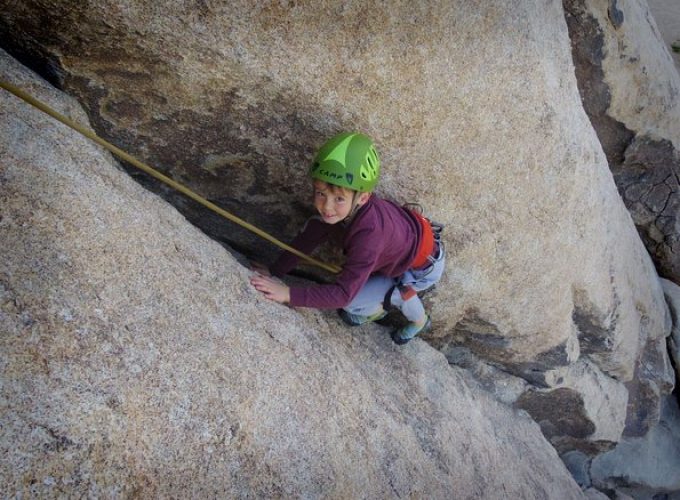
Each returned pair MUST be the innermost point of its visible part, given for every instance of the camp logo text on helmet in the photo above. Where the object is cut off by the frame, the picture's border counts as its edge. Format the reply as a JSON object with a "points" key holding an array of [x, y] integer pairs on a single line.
{"points": [[349, 160]]}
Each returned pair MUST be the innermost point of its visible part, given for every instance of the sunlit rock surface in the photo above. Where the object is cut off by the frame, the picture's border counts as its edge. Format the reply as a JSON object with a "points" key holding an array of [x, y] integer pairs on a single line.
{"points": [[475, 110], [136, 360]]}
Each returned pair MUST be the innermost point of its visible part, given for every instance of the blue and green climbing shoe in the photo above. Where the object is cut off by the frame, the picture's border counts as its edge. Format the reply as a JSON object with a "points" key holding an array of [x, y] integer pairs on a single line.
{"points": [[357, 319], [403, 335]]}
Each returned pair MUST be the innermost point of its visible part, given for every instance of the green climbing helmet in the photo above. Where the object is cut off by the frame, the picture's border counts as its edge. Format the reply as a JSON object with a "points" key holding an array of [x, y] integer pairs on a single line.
{"points": [[349, 160]]}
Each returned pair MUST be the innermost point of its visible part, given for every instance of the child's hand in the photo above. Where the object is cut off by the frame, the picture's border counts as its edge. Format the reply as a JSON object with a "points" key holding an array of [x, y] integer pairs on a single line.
{"points": [[272, 288], [259, 268]]}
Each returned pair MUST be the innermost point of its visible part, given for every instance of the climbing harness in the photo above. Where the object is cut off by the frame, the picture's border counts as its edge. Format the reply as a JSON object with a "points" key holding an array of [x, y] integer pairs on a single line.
{"points": [[430, 237], [163, 178]]}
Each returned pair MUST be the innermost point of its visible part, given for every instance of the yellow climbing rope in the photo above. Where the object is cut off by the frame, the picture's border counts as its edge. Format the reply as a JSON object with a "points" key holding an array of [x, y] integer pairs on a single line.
{"points": [[163, 178]]}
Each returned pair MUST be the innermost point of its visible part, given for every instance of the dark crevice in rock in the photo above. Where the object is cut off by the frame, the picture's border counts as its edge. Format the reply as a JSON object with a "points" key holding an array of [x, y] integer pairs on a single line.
{"points": [[593, 337], [590, 447], [596, 329], [174, 159], [643, 410], [587, 41], [29, 50], [652, 381], [615, 14], [473, 335], [480, 337], [572, 419], [676, 389], [481, 334], [208, 148], [670, 349], [534, 371], [45, 65]]}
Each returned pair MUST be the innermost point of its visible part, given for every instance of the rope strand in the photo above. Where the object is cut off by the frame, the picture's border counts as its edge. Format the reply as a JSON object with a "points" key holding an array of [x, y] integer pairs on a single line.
{"points": [[161, 177]]}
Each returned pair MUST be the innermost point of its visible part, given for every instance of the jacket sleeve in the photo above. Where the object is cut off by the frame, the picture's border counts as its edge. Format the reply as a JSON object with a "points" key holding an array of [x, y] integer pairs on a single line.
{"points": [[312, 235], [362, 254]]}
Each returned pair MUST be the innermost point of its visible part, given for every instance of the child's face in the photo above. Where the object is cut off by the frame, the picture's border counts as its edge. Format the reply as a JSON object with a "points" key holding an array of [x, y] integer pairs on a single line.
{"points": [[334, 203]]}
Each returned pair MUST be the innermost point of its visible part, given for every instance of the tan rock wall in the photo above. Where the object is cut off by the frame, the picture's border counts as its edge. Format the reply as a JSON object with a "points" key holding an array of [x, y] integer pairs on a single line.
{"points": [[631, 92], [476, 114], [645, 87], [667, 16], [137, 362]]}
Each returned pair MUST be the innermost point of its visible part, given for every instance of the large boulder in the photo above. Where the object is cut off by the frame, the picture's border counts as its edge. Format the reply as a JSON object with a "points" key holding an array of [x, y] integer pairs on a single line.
{"points": [[631, 92], [646, 467], [672, 293], [475, 110], [137, 361], [667, 16]]}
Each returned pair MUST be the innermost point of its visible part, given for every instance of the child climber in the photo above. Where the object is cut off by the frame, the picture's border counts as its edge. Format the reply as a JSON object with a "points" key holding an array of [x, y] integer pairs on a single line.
{"points": [[391, 252]]}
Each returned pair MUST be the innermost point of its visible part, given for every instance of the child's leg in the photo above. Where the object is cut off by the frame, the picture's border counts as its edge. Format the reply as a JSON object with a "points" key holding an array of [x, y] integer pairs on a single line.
{"points": [[369, 300], [406, 299], [405, 295]]}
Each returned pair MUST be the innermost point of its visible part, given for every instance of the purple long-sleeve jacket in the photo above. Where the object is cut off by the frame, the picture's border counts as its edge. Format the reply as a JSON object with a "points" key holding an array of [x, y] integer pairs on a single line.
{"points": [[382, 238]]}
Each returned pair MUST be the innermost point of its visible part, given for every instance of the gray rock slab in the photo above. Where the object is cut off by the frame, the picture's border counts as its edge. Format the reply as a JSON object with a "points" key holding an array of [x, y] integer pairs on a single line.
{"points": [[137, 361], [646, 466], [667, 16], [672, 293], [631, 92], [475, 111]]}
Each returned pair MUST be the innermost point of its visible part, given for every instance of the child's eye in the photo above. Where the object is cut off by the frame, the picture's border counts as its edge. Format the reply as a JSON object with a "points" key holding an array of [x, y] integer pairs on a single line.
{"points": [[339, 200]]}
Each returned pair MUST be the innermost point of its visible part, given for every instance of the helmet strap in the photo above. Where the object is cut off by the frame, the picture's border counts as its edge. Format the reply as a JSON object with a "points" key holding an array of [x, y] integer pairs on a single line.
{"points": [[355, 207]]}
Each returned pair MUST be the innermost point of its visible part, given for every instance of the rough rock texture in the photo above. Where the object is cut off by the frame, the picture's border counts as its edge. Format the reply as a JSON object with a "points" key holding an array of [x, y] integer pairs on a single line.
{"points": [[578, 464], [667, 16], [589, 404], [593, 494], [631, 92], [475, 110], [649, 182], [137, 362], [672, 293], [647, 468]]}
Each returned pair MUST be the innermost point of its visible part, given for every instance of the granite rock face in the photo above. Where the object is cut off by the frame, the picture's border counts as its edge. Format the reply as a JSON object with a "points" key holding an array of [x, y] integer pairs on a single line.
{"points": [[667, 16], [476, 113], [650, 185], [136, 360], [646, 467], [672, 293], [631, 92]]}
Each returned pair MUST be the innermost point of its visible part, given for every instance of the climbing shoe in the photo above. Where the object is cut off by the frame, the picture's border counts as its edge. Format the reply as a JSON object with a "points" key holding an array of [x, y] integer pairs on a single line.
{"points": [[357, 319], [403, 335]]}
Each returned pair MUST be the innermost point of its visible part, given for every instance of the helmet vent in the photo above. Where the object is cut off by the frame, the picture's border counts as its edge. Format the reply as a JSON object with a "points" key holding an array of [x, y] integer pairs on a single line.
{"points": [[346, 157]]}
